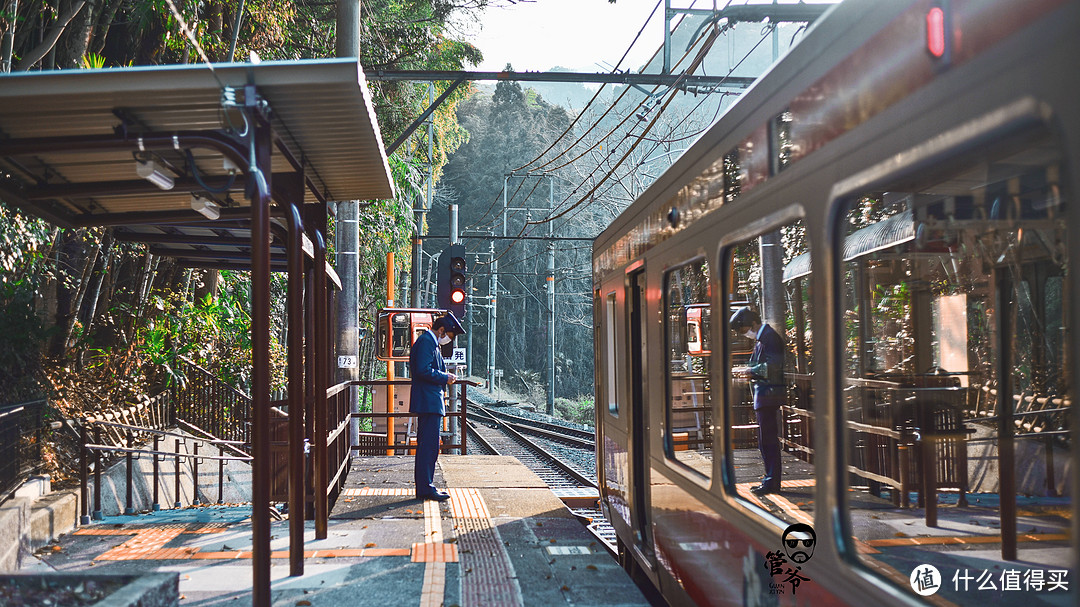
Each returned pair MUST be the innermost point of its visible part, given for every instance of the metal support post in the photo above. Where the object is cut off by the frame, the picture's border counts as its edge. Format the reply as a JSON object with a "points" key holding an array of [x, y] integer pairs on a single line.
{"points": [[97, 475], [221, 476], [157, 443], [260, 174], [195, 475], [493, 282], [551, 328], [295, 363], [129, 507], [176, 474], [84, 472], [322, 355]]}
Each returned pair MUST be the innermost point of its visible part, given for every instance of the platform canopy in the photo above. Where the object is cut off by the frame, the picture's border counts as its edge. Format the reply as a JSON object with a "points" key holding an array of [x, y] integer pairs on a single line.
{"points": [[72, 143]]}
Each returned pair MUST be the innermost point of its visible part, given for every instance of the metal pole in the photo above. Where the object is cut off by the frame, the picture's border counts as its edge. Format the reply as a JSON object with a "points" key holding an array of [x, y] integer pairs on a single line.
{"points": [[389, 364], [221, 476], [772, 280], [295, 363], [84, 467], [453, 389], [97, 475], [454, 224], [129, 507], [667, 36], [195, 475], [551, 328], [260, 372], [322, 356], [157, 444], [176, 475], [492, 317]]}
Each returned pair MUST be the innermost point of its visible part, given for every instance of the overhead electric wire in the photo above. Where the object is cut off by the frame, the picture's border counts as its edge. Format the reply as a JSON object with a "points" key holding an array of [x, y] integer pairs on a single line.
{"points": [[583, 111], [598, 91], [705, 47], [665, 140]]}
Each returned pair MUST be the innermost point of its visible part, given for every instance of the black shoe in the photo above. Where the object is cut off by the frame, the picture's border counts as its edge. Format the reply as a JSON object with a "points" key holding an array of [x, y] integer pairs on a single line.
{"points": [[765, 489], [438, 496]]}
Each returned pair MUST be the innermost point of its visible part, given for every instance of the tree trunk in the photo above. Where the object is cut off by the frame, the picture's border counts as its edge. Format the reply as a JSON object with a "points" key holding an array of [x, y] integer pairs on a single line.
{"points": [[67, 264], [49, 43], [207, 285]]}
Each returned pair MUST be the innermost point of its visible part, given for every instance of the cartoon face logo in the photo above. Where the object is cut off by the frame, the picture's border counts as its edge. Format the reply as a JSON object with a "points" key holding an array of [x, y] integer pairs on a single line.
{"points": [[799, 540]]}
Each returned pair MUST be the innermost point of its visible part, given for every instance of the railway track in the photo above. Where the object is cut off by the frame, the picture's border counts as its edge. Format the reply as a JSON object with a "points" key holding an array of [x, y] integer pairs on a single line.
{"points": [[534, 443], [574, 437]]}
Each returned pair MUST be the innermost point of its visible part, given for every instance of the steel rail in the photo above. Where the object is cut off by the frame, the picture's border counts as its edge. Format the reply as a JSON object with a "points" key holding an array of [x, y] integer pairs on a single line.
{"points": [[544, 453]]}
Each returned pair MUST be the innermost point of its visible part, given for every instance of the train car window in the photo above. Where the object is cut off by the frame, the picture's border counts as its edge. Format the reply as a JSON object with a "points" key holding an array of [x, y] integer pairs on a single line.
{"points": [[956, 389], [610, 363], [689, 436], [769, 409]]}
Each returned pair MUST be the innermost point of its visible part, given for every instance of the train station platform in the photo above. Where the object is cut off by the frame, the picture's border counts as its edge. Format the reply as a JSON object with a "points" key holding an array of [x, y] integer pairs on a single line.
{"points": [[502, 539]]}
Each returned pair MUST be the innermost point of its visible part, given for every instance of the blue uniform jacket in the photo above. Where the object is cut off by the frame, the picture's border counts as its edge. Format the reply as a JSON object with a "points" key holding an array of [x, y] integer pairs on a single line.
{"points": [[767, 369], [428, 375]]}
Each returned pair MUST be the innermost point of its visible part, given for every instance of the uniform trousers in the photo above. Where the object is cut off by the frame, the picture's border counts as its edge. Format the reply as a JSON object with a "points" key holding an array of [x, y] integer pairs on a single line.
{"points": [[428, 426], [769, 444]]}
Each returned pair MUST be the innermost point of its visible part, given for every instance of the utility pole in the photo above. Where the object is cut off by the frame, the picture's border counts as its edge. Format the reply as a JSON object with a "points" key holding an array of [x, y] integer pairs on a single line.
{"points": [[347, 241], [453, 389], [551, 301], [551, 328], [772, 254], [492, 317], [421, 207]]}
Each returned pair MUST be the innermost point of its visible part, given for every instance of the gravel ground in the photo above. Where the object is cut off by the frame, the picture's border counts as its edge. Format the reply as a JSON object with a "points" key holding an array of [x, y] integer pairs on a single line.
{"points": [[584, 461]]}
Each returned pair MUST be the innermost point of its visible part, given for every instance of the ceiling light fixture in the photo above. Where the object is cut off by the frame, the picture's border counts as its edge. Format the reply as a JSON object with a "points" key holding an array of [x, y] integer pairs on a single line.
{"points": [[148, 170], [206, 207]]}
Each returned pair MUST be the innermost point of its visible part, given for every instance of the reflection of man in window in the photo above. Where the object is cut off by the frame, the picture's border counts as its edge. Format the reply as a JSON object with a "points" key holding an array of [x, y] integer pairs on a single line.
{"points": [[766, 374]]}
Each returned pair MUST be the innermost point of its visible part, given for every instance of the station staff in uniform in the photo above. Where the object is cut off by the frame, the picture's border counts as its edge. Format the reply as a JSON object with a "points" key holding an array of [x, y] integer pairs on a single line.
{"points": [[429, 375], [766, 374]]}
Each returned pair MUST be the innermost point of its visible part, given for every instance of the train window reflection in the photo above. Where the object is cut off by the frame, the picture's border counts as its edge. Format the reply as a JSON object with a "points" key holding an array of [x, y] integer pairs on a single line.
{"points": [[689, 435], [610, 363], [769, 408], [956, 390]]}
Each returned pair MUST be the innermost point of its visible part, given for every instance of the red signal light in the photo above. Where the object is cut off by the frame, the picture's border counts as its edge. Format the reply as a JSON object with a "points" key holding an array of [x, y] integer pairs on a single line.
{"points": [[457, 296], [935, 31]]}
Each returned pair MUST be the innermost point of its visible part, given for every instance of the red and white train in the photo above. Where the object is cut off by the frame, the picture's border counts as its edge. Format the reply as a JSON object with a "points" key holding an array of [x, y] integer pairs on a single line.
{"points": [[894, 197]]}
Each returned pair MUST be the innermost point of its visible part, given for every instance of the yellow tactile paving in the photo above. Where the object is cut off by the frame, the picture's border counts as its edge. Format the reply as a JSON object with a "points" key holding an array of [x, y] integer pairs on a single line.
{"points": [[431, 594], [432, 522], [427, 552], [467, 503], [370, 491], [954, 540]]}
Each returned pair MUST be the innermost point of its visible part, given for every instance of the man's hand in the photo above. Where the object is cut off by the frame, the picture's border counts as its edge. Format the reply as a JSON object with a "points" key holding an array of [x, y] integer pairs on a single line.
{"points": [[450, 378]]}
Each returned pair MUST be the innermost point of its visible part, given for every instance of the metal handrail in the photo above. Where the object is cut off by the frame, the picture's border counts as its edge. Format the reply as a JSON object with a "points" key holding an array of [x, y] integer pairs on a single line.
{"points": [[216, 441], [111, 448]]}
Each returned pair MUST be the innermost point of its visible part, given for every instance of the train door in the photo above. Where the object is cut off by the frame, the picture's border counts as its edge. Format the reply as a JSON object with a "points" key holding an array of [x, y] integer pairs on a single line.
{"points": [[638, 415]]}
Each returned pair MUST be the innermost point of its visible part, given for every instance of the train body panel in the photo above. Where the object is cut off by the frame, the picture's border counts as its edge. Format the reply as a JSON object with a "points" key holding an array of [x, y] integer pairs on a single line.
{"points": [[883, 163]]}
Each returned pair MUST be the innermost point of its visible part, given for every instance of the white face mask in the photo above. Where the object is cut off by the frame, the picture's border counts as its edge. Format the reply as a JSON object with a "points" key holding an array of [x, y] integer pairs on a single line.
{"points": [[750, 334], [445, 339]]}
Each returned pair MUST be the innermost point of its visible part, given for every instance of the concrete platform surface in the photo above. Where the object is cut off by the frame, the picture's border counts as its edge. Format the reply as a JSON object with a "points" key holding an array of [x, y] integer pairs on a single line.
{"points": [[503, 539]]}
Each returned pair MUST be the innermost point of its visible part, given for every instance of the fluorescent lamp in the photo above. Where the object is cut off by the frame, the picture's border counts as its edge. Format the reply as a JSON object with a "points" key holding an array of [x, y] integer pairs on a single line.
{"points": [[148, 170], [208, 208]]}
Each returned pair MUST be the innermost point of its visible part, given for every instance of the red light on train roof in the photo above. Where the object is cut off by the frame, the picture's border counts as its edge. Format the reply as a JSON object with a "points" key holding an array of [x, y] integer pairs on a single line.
{"points": [[935, 31]]}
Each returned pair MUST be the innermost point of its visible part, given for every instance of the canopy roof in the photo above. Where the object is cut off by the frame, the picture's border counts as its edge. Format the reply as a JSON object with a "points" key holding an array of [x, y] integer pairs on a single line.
{"points": [[325, 135]]}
